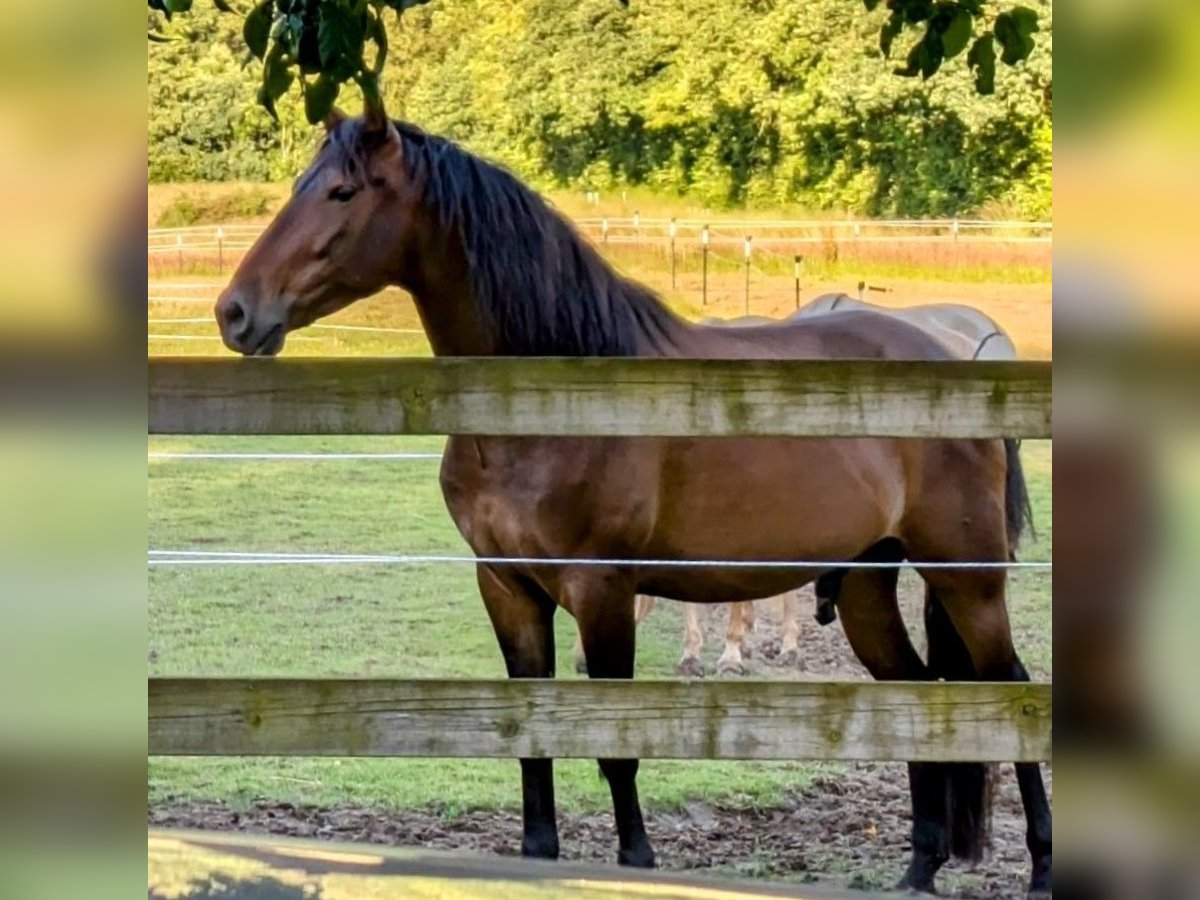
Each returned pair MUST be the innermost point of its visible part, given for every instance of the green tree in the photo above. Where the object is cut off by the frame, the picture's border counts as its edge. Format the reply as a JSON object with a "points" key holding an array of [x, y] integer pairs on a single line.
{"points": [[323, 44], [725, 101]]}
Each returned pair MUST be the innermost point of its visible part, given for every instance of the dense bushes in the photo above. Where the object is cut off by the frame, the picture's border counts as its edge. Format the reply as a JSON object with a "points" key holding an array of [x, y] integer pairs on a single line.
{"points": [[726, 101], [199, 208]]}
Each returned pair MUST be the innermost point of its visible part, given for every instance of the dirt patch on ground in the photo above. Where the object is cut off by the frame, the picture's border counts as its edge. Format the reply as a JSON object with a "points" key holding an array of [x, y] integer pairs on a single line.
{"points": [[849, 828]]}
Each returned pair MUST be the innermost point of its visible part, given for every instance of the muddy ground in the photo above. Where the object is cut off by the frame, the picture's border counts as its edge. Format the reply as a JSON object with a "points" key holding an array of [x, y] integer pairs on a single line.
{"points": [[848, 828]]}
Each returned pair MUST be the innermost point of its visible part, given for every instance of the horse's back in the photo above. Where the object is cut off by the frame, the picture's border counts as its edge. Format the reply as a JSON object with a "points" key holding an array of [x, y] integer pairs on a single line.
{"points": [[968, 333]]}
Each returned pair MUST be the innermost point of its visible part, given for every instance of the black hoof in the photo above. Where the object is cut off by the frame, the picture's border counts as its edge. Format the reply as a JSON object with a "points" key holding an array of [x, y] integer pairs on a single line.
{"points": [[638, 858], [540, 848], [581, 666], [919, 877], [690, 667], [1039, 882]]}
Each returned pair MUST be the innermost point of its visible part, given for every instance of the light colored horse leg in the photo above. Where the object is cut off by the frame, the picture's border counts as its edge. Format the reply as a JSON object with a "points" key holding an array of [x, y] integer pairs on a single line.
{"points": [[642, 606], [741, 620], [580, 656], [693, 642], [789, 646]]}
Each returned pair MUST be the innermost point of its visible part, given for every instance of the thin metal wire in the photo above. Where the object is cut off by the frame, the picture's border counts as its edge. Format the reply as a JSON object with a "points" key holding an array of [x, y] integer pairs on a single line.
{"points": [[240, 557], [156, 336], [188, 320], [167, 455]]}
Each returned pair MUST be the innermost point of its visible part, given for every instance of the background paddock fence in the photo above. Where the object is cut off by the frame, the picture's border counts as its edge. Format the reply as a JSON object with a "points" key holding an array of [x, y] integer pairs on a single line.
{"points": [[600, 397], [642, 230], [691, 252], [884, 721]]}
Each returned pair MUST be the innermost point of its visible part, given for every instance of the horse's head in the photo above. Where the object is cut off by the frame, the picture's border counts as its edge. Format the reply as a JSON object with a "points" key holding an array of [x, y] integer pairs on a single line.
{"points": [[338, 238]]}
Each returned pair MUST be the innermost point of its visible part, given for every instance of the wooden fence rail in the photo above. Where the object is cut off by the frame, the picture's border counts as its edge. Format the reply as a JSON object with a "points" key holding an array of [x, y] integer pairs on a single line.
{"points": [[604, 397], [929, 721]]}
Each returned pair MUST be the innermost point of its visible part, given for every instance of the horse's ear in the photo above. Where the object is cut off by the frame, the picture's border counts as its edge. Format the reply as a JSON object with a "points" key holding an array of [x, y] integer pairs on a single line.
{"points": [[375, 120], [334, 118]]}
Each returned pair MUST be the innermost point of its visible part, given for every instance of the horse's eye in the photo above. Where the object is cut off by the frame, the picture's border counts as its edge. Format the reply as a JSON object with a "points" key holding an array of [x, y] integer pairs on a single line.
{"points": [[342, 193]]}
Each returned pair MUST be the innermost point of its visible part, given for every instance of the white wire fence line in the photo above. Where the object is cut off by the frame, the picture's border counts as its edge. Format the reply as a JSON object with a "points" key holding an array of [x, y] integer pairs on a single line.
{"points": [[209, 320], [636, 229], [167, 336], [187, 557], [169, 456]]}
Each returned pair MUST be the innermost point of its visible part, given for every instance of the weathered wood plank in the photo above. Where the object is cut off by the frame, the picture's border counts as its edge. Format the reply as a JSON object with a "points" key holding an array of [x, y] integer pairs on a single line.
{"points": [[648, 719], [665, 397]]}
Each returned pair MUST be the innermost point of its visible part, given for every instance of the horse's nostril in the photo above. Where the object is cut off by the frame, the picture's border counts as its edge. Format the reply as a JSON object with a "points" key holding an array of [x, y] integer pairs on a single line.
{"points": [[235, 313]]}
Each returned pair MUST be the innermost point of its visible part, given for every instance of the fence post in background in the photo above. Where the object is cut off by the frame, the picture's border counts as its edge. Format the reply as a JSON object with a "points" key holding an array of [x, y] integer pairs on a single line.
{"points": [[671, 230], [604, 231], [637, 222], [862, 287], [954, 228], [179, 253], [704, 266], [220, 250], [796, 263], [749, 238]]}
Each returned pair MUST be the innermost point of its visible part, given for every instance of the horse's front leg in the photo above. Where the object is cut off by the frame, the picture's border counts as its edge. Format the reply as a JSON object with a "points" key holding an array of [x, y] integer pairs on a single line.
{"points": [[602, 602], [524, 627]]}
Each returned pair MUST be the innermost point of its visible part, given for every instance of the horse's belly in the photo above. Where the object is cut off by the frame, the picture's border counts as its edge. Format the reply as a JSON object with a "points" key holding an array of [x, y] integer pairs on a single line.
{"points": [[723, 585], [777, 498]]}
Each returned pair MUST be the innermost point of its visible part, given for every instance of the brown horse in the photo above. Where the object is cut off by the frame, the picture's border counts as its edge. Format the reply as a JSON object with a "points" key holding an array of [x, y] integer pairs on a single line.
{"points": [[494, 271]]}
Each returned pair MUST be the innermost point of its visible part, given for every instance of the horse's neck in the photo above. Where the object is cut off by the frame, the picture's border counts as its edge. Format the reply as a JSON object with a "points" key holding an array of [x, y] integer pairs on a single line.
{"points": [[440, 287], [438, 277]]}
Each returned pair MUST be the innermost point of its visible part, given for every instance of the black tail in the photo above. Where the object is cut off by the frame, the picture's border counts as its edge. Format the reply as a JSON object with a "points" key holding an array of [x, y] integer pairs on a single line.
{"points": [[969, 786], [1017, 510]]}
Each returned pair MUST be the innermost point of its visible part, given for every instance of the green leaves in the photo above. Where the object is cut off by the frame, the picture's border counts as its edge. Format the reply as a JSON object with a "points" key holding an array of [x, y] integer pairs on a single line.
{"points": [[323, 38], [257, 28], [340, 34], [889, 32], [982, 61], [328, 43], [277, 78], [948, 28], [1014, 30], [319, 97], [925, 58], [956, 33]]}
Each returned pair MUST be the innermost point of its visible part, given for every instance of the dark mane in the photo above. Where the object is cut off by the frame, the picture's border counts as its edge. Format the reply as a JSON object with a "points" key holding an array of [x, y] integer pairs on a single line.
{"points": [[539, 286]]}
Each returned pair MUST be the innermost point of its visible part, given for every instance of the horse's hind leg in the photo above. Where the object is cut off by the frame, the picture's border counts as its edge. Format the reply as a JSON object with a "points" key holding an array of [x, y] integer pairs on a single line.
{"points": [[642, 607], [969, 606], [693, 642], [741, 621], [789, 644], [873, 625], [603, 605], [579, 656], [523, 621], [871, 619]]}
